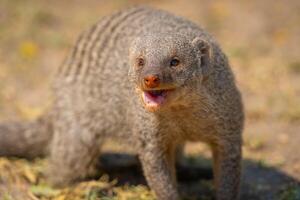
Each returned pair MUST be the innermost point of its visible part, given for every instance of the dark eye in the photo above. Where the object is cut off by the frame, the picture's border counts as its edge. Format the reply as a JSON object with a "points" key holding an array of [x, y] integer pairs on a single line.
{"points": [[140, 62], [174, 62]]}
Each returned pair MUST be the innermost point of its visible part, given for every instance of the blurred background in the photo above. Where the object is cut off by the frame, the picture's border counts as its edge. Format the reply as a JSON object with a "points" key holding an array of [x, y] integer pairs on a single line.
{"points": [[261, 39]]}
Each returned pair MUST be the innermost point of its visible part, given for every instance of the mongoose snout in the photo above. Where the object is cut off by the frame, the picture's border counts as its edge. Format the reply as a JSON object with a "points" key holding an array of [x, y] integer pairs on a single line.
{"points": [[155, 90], [151, 81], [154, 93]]}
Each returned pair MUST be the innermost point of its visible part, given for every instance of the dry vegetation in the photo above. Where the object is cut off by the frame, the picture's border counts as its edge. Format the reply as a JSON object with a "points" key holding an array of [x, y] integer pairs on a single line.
{"points": [[261, 39]]}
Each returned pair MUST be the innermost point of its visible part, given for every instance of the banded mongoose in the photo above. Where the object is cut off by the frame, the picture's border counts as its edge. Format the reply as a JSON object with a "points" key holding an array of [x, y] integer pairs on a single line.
{"points": [[149, 79]]}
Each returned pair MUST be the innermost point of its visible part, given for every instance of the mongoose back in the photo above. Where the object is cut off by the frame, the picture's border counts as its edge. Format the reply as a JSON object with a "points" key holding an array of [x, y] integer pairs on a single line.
{"points": [[150, 80]]}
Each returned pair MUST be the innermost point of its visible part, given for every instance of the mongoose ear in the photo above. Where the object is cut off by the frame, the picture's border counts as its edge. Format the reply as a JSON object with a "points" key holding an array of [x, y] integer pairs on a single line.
{"points": [[204, 52]]}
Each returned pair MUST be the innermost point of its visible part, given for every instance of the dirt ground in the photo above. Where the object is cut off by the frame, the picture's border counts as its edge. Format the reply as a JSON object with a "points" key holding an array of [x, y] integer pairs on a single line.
{"points": [[261, 39]]}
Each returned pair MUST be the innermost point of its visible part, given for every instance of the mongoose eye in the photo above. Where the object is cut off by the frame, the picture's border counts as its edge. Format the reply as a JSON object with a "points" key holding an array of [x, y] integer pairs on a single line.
{"points": [[174, 62], [140, 62]]}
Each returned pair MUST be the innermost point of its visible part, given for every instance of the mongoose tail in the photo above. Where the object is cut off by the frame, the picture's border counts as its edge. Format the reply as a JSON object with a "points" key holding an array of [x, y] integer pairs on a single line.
{"points": [[25, 139]]}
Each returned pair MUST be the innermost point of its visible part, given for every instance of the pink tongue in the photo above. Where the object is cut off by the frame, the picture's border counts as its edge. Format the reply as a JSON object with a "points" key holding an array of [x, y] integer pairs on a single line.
{"points": [[153, 100]]}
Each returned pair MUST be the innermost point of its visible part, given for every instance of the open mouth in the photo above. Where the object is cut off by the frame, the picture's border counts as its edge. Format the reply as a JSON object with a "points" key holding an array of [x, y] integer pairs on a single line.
{"points": [[153, 99]]}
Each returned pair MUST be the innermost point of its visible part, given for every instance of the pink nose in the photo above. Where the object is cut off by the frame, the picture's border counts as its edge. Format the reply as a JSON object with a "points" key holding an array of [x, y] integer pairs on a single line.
{"points": [[151, 81]]}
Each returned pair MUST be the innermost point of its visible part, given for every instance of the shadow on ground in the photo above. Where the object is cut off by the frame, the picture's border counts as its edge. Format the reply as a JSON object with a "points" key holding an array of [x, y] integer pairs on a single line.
{"points": [[260, 182]]}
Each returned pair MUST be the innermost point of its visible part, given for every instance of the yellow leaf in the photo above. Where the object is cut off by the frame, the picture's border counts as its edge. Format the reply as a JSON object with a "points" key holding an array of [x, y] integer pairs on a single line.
{"points": [[28, 50], [61, 197], [30, 176]]}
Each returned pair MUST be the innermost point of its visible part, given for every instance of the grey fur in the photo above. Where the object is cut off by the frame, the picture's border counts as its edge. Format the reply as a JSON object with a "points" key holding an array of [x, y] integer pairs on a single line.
{"points": [[98, 95]]}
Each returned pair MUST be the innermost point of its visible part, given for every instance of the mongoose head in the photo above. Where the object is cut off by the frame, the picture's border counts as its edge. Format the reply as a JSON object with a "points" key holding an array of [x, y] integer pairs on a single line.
{"points": [[166, 67]]}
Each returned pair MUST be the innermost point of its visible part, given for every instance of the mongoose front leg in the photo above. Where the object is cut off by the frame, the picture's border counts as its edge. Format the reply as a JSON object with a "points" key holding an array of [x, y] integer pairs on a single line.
{"points": [[227, 169], [159, 169]]}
